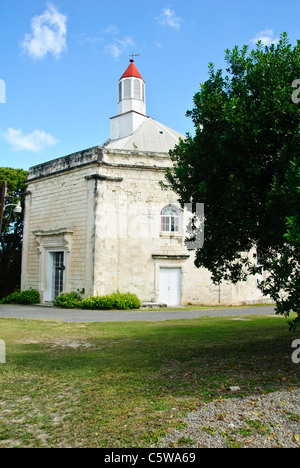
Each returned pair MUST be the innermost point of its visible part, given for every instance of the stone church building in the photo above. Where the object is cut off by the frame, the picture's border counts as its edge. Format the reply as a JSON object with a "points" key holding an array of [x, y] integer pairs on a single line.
{"points": [[98, 221]]}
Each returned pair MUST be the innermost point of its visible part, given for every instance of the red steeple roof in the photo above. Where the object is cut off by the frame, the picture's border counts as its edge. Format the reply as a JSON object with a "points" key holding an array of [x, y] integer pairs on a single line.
{"points": [[131, 71]]}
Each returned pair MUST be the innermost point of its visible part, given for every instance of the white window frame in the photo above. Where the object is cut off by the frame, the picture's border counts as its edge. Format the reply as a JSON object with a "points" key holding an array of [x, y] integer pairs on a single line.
{"points": [[120, 91], [170, 220]]}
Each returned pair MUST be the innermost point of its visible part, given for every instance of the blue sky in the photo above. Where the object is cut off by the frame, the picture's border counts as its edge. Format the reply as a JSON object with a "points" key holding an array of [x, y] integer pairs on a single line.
{"points": [[60, 62]]}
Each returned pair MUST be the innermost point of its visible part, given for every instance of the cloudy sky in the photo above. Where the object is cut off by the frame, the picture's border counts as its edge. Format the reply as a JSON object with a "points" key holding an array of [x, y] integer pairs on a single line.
{"points": [[60, 62]]}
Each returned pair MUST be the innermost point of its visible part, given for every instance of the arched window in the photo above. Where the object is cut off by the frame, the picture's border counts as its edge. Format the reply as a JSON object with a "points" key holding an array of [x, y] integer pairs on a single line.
{"points": [[170, 217]]}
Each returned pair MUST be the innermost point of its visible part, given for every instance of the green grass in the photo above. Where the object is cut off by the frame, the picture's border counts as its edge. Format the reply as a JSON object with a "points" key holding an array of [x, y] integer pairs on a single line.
{"points": [[126, 384]]}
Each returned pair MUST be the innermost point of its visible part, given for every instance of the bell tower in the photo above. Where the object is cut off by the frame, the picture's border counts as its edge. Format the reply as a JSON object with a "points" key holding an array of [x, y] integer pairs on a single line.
{"points": [[132, 91], [131, 104]]}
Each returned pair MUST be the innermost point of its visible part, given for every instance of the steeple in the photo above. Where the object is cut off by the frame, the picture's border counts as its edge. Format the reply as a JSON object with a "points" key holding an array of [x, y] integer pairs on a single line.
{"points": [[131, 91], [132, 71], [131, 130], [131, 104]]}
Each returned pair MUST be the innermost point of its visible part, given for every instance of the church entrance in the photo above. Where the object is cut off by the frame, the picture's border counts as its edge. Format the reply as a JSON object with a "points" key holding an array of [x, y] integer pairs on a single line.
{"points": [[169, 286], [55, 275], [58, 274]]}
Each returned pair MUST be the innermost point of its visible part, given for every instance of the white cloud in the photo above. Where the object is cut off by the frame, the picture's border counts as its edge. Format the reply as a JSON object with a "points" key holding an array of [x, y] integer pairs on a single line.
{"points": [[48, 34], [113, 49], [119, 46], [111, 41], [111, 29], [35, 141], [92, 41], [266, 37], [168, 18]]}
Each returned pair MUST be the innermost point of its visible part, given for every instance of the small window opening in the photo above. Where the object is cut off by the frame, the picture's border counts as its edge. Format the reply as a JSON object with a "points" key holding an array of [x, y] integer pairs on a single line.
{"points": [[127, 89], [170, 217], [137, 89]]}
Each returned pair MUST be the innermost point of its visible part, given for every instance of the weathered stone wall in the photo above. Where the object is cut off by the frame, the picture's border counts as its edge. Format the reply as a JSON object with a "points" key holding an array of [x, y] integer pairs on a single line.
{"points": [[59, 215], [102, 208], [130, 247]]}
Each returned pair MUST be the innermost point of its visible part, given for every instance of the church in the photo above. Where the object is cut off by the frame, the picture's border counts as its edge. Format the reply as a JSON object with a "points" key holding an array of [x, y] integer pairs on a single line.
{"points": [[98, 221]]}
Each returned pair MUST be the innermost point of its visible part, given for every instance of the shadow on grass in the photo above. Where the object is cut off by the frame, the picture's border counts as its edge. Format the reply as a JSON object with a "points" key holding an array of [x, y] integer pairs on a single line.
{"points": [[203, 357], [126, 384]]}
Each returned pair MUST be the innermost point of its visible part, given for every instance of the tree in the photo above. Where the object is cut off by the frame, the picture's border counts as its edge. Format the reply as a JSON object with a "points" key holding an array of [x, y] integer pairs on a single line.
{"points": [[12, 230], [283, 282], [241, 164]]}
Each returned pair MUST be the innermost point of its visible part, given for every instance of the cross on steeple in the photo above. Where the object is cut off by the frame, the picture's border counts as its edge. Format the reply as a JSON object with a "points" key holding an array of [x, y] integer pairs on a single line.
{"points": [[133, 55]]}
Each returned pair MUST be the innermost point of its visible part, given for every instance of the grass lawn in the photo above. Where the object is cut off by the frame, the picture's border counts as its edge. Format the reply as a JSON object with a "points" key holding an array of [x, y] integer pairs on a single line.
{"points": [[126, 384]]}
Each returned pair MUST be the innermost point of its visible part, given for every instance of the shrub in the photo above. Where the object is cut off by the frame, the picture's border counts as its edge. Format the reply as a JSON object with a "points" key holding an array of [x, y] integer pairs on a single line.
{"points": [[29, 296], [68, 300], [126, 301], [109, 302], [97, 302]]}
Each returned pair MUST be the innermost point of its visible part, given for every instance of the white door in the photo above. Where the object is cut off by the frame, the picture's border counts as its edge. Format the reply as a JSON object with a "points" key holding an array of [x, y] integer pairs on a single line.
{"points": [[55, 275], [169, 286]]}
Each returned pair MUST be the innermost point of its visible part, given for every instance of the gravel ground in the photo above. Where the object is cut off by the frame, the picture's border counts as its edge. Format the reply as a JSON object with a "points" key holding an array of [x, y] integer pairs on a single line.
{"points": [[268, 421]]}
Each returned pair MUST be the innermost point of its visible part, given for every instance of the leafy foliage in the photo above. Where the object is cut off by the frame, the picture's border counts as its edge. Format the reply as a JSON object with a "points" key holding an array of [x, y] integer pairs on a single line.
{"points": [[109, 302], [283, 282], [12, 230], [30, 296], [242, 164], [68, 300]]}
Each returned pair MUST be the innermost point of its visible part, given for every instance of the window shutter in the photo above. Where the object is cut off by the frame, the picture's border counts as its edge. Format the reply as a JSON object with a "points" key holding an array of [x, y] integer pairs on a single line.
{"points": [[127, 89], [137, 89]]}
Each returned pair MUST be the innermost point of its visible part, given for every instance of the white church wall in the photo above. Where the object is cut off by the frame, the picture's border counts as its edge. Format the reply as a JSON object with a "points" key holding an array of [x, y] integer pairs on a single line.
{"points": [[125, 124], [130, 248], [59, 216]]}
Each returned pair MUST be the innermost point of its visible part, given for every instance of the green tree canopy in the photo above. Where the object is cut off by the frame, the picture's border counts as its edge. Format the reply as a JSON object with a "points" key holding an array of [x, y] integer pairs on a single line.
{"points": [[242, 164], [12, 230]]}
